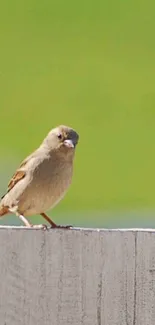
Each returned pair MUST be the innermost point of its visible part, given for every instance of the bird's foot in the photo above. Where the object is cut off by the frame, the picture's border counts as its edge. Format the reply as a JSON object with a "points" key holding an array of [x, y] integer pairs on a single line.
{"points": [[44, 227], [62, 227]]}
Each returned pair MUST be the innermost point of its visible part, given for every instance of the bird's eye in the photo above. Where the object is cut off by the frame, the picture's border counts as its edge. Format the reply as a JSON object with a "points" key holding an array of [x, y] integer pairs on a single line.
{"points": [[60, 136]]}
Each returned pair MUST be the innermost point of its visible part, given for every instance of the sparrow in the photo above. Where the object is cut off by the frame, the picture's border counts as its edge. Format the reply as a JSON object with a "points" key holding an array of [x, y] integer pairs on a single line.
{"points": [[43, 178]]}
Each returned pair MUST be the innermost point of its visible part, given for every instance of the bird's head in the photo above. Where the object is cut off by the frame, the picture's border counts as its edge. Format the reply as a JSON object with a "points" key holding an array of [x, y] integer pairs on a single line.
{"points": [[62, 138]]}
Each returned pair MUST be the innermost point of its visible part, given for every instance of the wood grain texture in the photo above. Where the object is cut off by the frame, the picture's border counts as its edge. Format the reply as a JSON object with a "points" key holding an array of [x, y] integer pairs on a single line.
{"points": [[77, 277]]}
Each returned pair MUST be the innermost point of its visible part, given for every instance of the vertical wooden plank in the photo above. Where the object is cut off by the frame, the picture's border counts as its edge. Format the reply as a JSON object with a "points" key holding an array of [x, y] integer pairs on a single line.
{"points": [[74, 277], [117, 303], [145, 278], [22, 271]]}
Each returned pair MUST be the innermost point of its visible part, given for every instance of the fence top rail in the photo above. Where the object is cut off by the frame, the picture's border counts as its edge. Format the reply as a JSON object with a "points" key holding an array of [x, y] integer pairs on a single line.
{"points": [[80, 229]]}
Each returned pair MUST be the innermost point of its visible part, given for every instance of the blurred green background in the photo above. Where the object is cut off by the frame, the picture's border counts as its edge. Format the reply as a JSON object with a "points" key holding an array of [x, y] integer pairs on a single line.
{"points": [[90, 65]]}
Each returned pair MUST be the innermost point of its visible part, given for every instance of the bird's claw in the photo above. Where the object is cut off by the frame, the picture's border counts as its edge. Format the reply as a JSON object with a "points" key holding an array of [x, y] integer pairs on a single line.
{"points": [[42, 226], [62, 227]]}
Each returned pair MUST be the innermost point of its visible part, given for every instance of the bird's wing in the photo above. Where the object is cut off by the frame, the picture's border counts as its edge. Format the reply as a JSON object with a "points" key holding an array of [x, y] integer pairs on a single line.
{"points": [[18, 175], [16, 178], [21, 172]]}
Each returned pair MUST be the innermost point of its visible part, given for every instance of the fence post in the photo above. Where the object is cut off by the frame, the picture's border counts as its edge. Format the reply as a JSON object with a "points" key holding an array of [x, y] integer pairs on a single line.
{"points": [[77, 277]]}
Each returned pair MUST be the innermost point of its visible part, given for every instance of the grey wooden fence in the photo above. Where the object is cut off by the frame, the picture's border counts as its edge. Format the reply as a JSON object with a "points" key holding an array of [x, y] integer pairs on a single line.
{"points": [[75, 277]]}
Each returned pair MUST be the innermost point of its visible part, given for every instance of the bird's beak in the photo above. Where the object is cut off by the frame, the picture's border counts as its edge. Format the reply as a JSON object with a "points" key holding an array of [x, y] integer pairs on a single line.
{"points": [[69, 143]]}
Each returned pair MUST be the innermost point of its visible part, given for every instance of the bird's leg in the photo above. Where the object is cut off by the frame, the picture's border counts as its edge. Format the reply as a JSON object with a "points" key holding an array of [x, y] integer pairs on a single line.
{"points": [[28, 224], [52, 223], [25, 221]]}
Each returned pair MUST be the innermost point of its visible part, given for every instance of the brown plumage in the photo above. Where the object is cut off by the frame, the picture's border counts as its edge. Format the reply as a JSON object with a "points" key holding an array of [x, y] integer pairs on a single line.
{"points": [[43, 178]]}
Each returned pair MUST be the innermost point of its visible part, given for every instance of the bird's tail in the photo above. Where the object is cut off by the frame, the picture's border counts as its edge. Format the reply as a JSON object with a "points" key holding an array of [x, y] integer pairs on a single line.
{"points": [[3, 210]]}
